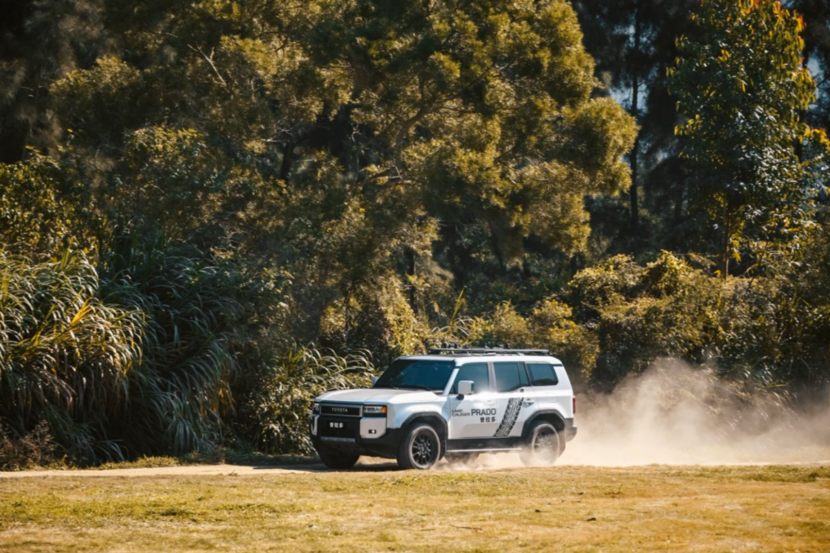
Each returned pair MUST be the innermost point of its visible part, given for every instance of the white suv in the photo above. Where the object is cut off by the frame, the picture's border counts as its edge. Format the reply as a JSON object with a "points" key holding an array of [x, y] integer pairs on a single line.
{"points": [[453, 403]]}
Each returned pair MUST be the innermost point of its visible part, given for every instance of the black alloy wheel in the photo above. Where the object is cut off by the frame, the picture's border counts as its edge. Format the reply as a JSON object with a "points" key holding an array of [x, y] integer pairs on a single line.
{"points": [[543, 446], [420, 449]]}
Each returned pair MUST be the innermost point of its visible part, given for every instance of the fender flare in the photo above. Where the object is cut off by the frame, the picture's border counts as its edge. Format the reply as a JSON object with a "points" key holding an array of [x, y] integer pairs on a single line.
{"points": [[433, 418], [559, 420]]}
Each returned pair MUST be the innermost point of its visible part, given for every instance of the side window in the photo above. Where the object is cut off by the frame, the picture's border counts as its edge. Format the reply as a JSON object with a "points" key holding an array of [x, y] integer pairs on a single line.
{"points": [[542, 374], [478, 373], [510, 376]]}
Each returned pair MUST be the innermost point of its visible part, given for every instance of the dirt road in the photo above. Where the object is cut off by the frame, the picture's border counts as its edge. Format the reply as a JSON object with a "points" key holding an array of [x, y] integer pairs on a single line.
{"points": [[485, 463], [186, 470]]}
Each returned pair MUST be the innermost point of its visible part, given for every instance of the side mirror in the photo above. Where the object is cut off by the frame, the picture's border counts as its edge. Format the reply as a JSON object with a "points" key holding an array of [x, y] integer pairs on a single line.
{"points": [[375, 380], [465, 388]]}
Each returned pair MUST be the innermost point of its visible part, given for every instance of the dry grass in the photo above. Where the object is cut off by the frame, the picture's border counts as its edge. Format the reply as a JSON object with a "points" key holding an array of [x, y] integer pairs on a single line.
{"points": [[776, 508]]}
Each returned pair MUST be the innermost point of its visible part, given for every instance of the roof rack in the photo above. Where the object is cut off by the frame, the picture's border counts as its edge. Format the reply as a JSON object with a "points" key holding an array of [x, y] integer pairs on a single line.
{"points": [[488, 351]]}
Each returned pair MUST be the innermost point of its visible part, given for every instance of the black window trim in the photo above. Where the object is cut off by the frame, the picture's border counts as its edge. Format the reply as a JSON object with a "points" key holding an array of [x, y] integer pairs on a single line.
{"points": [[552, 366], [490, 375], [495, 382]]}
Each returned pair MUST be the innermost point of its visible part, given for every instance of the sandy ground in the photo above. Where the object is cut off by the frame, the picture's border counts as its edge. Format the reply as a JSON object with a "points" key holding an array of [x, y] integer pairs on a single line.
{"points": [[187, 470], [485, 463]]}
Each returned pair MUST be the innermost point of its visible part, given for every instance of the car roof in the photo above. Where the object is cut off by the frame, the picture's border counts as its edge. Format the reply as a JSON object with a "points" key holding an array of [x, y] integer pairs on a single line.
{"points": [[478, 357]]}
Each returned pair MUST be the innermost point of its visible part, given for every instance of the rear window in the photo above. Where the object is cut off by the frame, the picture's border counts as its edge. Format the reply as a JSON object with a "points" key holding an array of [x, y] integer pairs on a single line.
{"points": [[510, 376], [542, 374]]}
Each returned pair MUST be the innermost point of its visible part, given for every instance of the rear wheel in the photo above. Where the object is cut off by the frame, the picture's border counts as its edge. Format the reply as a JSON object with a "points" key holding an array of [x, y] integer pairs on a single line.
{"points": [[338, 458], [420, 448], [543, 446]]}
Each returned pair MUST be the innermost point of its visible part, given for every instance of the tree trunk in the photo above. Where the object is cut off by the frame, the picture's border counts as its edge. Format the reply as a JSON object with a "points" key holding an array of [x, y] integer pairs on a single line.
{"points": [[635, 112], [409, 257], [495, 244], [678, 204], [726, 240], [285, 165]]}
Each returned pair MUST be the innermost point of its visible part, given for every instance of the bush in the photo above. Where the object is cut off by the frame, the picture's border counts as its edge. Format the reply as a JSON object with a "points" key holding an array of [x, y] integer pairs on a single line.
{"points": [[30, 450], [377, 317], [666, 309], [66, 355], [282, 407], [179, 390]]}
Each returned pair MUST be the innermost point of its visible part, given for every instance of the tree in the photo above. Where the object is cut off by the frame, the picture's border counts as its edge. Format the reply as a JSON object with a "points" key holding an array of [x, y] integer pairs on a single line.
{"points": [[41, 40], [743, 88], [816, 34], [338, 140], [633, 43]]}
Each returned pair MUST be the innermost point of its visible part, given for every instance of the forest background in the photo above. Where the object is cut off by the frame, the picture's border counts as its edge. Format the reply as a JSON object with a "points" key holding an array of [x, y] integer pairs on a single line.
{"points": [[213, 210]]}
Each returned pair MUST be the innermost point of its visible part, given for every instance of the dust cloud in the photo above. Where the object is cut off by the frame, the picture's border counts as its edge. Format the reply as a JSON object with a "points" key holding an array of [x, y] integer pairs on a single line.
{"points": [[675, 414], [678, 415]]}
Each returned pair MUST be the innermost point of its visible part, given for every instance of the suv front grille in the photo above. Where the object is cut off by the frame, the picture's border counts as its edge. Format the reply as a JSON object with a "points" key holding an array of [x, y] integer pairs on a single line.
{"points": [[340, 410], [341, 427]]}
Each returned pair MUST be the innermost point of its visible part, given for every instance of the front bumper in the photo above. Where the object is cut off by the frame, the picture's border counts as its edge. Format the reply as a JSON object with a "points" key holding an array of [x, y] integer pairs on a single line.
{"points": [[349, 436]]}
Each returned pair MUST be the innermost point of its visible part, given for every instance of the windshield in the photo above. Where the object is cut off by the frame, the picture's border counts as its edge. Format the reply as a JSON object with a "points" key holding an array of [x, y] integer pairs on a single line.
{"points": [[416, 374]]}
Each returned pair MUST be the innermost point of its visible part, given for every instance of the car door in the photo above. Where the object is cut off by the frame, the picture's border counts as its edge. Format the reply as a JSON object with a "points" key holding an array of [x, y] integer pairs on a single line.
{"points": [[474, 416], [512, 398]]}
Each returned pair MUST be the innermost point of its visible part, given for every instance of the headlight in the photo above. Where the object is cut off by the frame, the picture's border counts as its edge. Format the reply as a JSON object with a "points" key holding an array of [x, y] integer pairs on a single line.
{"points": [[374, 410], [315, 408]]}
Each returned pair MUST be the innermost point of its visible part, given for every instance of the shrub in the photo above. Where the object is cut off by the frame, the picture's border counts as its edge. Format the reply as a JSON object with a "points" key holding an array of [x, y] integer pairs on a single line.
{"points": [[180, 388], [21, 452], [553, 328], [66, 355], [377, 317], [283, 405], [666, 309]]}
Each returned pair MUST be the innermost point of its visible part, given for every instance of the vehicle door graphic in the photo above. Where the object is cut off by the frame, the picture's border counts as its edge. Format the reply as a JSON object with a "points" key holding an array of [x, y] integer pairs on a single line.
{"points": [[475, 416], [514, 399]]}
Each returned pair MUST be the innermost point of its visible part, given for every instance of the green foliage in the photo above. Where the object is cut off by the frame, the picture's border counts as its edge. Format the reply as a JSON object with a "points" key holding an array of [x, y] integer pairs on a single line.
{"points": [[36, 215], [377, 318], [139, 360], [282, 404], [180, 388], [750, 328], [66, 356], [385, 175], [664, 309], [743, 87], [36, 448], [552, 327], [169, 180]]}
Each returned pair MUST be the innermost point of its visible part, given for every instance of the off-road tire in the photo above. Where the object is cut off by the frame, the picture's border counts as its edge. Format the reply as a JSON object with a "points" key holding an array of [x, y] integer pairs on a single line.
{"points": [[543, 447], [421, 447], [338, 458]]}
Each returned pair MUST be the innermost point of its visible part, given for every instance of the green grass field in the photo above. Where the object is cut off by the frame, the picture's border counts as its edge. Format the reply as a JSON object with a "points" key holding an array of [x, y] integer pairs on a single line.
{"points": [[657, 508]]}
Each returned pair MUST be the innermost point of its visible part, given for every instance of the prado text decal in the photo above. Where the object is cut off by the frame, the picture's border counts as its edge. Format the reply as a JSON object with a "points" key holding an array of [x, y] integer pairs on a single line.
{"points": [[490, 415]]}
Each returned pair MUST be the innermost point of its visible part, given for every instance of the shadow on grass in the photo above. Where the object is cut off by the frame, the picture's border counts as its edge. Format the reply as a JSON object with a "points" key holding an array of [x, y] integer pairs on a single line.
{"points": [[315, 465]]}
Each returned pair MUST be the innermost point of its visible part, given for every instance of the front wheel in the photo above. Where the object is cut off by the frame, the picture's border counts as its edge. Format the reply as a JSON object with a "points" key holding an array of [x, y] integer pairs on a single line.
{"points": [[420, 448], [338, 458], [543, 446]]}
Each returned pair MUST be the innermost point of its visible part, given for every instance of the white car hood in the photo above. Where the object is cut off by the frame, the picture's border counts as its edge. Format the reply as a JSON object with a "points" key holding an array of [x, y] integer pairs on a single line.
{"points": [[378, 395]]}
